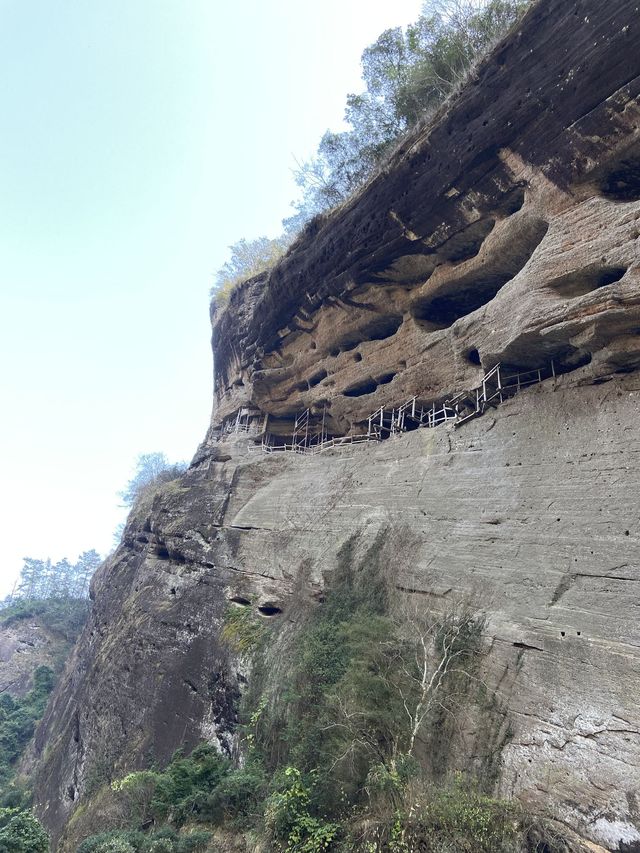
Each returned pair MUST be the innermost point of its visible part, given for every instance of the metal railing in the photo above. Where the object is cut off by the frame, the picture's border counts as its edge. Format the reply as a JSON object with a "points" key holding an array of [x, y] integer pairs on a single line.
{"points": [[384, 422]]}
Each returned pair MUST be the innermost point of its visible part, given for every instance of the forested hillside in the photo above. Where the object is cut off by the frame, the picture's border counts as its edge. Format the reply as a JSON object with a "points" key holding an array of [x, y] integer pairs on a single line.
{"points": [[39, 624]]}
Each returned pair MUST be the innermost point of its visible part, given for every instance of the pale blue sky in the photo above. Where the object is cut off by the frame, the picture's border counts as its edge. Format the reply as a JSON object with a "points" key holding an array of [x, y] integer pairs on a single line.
{"points": [[138, 139]]}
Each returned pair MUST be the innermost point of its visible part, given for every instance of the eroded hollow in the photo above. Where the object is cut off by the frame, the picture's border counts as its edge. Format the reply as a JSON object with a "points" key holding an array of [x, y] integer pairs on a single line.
{"points": [[269, 609], [376, 330], [240, 601], [457, 299], [317, 378], [565, 358], [586, 280], [466, 243], [368, 386], [623, 182], [386, 378], [512, 201]]}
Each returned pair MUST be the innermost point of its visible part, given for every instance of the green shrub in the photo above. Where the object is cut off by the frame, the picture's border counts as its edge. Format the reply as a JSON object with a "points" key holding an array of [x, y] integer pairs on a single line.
{"points": [[241, 793], [289, 819], [164, 840], [455, 819], [113, 842], [21, 832], [242, 630], [18, 718]]}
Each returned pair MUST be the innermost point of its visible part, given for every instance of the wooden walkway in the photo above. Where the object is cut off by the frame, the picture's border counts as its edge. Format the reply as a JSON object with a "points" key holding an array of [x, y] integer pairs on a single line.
{"points": [[496, 386]]}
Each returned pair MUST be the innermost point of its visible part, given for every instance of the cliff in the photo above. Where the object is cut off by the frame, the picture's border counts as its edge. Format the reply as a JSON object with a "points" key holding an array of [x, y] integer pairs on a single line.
{"points": [[27, 642], [506, 232]]}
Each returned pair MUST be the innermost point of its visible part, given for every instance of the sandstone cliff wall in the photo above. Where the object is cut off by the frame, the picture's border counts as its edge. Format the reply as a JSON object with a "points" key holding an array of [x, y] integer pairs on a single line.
{"points": [[531, 515], [506, 232]]}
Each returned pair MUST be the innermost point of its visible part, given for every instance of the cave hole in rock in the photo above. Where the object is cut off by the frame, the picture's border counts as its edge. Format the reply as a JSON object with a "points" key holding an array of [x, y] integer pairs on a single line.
{"points": [[622, 183], [281, 430], [357, 356], [466, 243], [319, 406], [473, 357], [513, 201], [378, 329], [566, 359], [408, 270], [440, 312], [269, 609], [317, 378], [386, 378], [162, 552], [240, 600], [457, 299], [587, 280], [368, 386], [274, 360]]}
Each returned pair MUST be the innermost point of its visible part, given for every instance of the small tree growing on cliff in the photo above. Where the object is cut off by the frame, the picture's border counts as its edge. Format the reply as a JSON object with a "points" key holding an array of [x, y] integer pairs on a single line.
{"points": [[392, 687], [150, 468], [248, 258]]}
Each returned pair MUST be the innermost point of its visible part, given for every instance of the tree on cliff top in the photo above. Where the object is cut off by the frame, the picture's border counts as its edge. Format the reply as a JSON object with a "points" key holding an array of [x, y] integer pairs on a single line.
{"points": [[248, 258], [407, 75], [150, 468]]}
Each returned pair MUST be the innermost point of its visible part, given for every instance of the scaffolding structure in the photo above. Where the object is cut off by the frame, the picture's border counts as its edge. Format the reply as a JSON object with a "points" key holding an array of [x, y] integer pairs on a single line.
{"points": [[495, 387]]}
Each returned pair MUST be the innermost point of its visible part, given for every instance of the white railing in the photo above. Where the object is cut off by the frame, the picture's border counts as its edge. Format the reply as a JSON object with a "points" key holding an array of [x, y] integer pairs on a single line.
{"points": [[312, 449], [494, 388]]}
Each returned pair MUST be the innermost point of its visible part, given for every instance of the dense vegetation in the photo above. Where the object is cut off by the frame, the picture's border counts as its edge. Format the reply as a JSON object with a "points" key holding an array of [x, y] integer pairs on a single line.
{"points": [[408, 75], [63, 617], [55, 597], [18, 718], [338, 745], [21, 832]]}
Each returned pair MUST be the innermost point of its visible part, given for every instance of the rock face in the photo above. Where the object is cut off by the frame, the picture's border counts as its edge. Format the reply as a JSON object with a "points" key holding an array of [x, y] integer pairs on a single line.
{"points": [[504, 232], [507, 232], [26, 644]]}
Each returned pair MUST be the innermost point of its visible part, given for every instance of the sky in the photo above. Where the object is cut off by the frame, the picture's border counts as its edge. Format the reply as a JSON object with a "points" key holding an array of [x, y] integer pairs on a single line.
{"points": [[138, 140]]}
